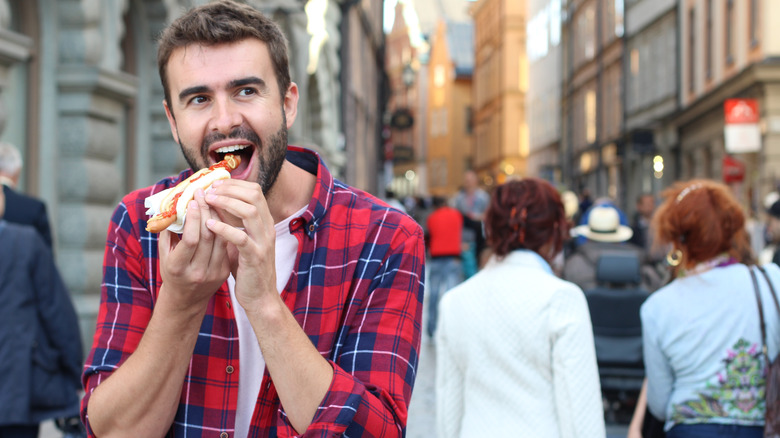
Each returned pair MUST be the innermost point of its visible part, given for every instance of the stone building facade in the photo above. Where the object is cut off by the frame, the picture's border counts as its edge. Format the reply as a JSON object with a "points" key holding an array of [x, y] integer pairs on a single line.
{"points": [[81, 97], [500, 84], [592, 108]]}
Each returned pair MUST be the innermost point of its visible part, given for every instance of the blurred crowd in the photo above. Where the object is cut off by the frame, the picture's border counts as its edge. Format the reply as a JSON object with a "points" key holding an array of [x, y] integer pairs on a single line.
{"points": [[553, 311]]}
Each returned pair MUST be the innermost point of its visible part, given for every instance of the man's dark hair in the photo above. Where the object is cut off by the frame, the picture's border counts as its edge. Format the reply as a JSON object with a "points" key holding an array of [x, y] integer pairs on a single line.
{"points": [[223, 22]]}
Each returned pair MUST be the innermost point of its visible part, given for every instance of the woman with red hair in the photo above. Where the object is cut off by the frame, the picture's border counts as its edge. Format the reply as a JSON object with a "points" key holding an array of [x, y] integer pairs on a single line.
{"points": [[701, 332], [514, 343]]}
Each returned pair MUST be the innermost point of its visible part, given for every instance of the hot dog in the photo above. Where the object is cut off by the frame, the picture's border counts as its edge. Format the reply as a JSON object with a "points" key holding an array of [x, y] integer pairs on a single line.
{"points": [[169, 206]]}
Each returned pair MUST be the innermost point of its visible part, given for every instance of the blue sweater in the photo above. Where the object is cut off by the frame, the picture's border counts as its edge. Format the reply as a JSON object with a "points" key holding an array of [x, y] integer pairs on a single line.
{"points": [[702, 347]]}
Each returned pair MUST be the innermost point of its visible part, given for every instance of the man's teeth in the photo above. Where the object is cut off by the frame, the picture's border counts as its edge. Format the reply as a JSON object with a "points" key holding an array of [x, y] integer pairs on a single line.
{"points": [[227, 149]]}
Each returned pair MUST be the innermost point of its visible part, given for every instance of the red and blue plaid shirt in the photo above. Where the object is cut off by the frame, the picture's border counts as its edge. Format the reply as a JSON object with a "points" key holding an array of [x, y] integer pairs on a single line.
{"points": [[356, 290]]}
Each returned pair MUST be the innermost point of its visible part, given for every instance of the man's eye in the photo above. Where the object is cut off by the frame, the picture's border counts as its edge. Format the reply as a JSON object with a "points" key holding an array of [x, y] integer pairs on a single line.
{"points": [[198, 100], [247, 92]]}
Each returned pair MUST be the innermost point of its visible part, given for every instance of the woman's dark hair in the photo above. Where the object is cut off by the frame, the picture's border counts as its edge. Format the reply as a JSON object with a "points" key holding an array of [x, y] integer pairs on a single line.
{"points": [[702, 219], [223, 22], [526, 214]]}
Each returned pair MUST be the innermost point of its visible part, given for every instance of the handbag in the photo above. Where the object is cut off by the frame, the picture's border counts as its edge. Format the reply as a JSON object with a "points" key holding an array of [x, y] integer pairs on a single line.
{"points": [[772, 393]]}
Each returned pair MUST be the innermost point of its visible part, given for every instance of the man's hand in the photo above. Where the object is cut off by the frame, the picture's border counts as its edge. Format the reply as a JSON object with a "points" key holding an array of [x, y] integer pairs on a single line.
{"points": [[252, 244], [194, 265]]}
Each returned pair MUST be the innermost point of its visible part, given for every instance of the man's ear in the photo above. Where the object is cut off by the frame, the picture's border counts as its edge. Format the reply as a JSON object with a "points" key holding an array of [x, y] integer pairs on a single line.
{"points": [[291, 103], [171, 121]]}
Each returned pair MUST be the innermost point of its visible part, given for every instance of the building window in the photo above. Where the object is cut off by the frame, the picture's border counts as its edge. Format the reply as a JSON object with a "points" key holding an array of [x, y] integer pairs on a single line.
{"points": [[590, 117], [590, 33], [692, 50], [730, 32], [619, 29], [469, 120], [754, 23], [708, 41], [634, 62], [555, 22], [537, 40]]}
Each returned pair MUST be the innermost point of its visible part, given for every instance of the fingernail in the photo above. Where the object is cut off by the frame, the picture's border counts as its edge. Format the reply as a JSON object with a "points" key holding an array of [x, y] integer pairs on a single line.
{"points": [[210, 223], [211, 197], [193, 204]]}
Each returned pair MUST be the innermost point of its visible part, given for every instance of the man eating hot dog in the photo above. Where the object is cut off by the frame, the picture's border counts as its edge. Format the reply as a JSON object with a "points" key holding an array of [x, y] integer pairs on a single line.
{"points": [[289, 305]]}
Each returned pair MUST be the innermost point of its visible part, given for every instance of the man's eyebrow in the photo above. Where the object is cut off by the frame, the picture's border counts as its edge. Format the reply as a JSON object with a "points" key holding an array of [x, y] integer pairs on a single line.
{"points": [[198, 89], [251, 80]]}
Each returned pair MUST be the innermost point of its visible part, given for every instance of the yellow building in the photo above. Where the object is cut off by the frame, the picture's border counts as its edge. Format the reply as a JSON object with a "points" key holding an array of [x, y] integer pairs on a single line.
{"points": [[500, 85], [449, 128]]}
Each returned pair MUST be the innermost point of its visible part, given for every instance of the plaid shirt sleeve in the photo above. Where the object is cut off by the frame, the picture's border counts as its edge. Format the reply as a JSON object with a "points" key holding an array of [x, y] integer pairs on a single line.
{"points": [[376, 356], [127, 298]]}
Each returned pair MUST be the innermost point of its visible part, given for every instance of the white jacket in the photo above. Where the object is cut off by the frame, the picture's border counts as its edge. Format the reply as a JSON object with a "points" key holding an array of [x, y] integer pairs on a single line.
{"points": [[515, 355]]}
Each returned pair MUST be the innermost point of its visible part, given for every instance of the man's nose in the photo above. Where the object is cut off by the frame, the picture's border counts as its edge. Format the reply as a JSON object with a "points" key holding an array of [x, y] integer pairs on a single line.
{"points": [[226, 116]]}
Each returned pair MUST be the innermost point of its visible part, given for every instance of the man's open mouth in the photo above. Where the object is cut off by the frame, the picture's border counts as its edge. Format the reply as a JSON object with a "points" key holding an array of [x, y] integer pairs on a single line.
{"points": [[245, 151]]}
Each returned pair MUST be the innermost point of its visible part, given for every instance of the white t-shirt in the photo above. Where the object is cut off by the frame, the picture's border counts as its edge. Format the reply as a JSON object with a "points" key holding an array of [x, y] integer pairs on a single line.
{"points": [[250, 357]]}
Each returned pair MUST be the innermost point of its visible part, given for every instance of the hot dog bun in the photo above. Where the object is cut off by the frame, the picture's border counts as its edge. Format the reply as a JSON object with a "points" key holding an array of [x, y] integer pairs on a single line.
{"points": [[168, 208]]}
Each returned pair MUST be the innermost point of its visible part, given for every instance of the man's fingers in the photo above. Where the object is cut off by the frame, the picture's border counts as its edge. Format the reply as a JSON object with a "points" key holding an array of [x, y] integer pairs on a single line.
{"points": [[231, 234], [247, 205]]}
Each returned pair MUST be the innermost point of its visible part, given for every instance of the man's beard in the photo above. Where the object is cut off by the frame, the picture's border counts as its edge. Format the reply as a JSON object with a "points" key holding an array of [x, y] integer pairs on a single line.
{"points": [[270, 154]]}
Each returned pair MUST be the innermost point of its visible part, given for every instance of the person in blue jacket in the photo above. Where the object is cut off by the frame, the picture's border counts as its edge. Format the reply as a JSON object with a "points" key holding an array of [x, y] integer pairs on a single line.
{"points": [[40, 342]]}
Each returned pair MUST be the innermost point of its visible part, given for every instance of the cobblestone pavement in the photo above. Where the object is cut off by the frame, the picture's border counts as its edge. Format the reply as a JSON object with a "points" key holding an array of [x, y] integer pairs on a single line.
{"points": [[422, 409]]}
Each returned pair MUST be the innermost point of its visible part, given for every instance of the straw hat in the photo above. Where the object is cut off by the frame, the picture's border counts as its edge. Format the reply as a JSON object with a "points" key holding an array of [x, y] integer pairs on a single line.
{"points": [[604, 226]]}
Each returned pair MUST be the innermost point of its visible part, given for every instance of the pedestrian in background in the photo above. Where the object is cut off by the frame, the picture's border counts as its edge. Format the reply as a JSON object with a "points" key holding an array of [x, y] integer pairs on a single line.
{"points": [[444, 228], [514, 344], [40, 342], [604, 234], [472, 201], [640, 225], [393, 201], [771, 252], [21, 209], [702, 343]]}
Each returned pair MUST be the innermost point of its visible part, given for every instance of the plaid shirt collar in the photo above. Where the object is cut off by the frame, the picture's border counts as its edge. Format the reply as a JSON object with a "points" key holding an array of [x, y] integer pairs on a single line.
{"points": [[323, 188]]}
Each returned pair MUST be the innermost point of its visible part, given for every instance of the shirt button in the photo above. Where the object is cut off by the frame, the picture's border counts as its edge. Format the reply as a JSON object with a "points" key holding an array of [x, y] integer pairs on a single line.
{"points": [[224, 435], [311, 227], [228, 304], [229, 369]]}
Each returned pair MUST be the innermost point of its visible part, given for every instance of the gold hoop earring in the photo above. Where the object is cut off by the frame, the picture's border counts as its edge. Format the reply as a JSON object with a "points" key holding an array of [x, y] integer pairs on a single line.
{"points": [[674, 257]]}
